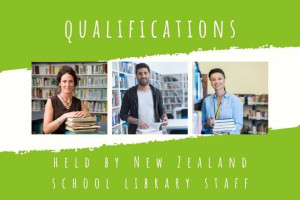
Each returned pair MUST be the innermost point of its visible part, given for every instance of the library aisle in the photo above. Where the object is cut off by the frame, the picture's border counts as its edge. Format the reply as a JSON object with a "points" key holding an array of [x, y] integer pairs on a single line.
{"points": [[173, 86], [91, 89]]}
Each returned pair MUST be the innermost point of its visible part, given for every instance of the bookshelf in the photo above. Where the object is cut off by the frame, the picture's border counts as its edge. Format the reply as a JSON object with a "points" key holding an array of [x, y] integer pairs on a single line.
{"points": [[199, 86], [123, 77], [91, 88], [255, 113], [174, 91], [173, 87], [156, 79]]}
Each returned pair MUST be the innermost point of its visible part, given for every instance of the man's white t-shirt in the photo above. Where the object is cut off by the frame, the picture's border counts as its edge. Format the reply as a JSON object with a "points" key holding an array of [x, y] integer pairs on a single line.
{"points": [[146, 107]]}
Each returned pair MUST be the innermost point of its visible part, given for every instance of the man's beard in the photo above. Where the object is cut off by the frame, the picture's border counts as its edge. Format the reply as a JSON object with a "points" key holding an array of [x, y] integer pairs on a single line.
{"points": [[143, 84]]}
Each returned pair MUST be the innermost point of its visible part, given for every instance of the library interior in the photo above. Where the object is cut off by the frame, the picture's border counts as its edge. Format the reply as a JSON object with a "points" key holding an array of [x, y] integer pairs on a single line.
{"points": [[171, 78], [91, 90], [247, 80]]}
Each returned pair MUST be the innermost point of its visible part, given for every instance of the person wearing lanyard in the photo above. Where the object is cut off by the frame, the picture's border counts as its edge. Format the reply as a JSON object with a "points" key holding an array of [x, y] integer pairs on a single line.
{"points": [[221, 105]]}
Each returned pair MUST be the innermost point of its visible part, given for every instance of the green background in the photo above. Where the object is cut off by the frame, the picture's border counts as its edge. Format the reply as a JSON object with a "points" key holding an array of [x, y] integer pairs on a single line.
{"points": [[272, 169], [34, 31]]}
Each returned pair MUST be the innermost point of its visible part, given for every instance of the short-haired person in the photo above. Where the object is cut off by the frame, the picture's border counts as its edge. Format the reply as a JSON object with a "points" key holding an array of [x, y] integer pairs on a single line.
{"points": [[221, 105], [64, 105], [142, 104]]}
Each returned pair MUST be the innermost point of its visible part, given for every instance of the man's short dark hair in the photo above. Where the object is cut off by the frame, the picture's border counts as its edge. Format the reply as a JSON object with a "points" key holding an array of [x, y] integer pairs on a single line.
{"points": [[141, 65], [216, 70], [66, 70]]}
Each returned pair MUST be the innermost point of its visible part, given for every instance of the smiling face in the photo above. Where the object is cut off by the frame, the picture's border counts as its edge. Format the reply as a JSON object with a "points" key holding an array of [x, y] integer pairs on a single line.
{"points": [[143, 76], [67, 84], [217, 81]]}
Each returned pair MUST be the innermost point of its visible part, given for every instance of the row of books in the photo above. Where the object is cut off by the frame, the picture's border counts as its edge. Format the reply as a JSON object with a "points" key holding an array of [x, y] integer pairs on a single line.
{"points": [[115, 117], [115, 98], [115, 80], [156, 84], [257, 100], [47, 70], [126, 67], [177, 93], [100, 68], [38, 105], [83, 82], [250, 99], [172, 100], [127, 81], [101, 118], [257, 114], [173, 78], [43, 93], [92, 82], [172, 85], [44, 81], [261, 128], [94, 94], [156, 76], [94, 106]]}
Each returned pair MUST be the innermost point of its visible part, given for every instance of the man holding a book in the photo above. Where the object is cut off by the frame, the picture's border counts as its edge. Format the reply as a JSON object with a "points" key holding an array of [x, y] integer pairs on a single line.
{"points": [[142, 105]]}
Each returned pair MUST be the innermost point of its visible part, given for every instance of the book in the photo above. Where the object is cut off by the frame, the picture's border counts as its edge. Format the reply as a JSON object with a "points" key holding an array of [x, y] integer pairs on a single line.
{"points": [[82, 125], [86, 119], [224, 126], [153, 128], [81, 130]]}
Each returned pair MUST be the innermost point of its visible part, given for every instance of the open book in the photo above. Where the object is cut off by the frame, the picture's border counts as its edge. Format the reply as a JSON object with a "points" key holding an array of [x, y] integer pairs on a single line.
{"points": [[153, 128]]}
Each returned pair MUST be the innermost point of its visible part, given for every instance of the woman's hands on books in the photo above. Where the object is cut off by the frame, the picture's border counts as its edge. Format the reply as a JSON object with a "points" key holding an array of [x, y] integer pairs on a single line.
{"points": [[76, 114]]}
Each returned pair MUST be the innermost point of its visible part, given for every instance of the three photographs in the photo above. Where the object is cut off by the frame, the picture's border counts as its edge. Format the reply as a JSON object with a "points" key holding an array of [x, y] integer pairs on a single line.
{"points": [[149, 98]]}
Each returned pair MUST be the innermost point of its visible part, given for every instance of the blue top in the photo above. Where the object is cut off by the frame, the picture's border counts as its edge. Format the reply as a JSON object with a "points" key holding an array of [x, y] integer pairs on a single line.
{"points": [[231, 107]]}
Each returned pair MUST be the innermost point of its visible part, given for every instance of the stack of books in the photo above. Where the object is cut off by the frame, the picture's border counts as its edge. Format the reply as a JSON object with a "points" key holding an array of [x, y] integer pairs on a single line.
{"points": [[82, 125], [224, 126]]}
